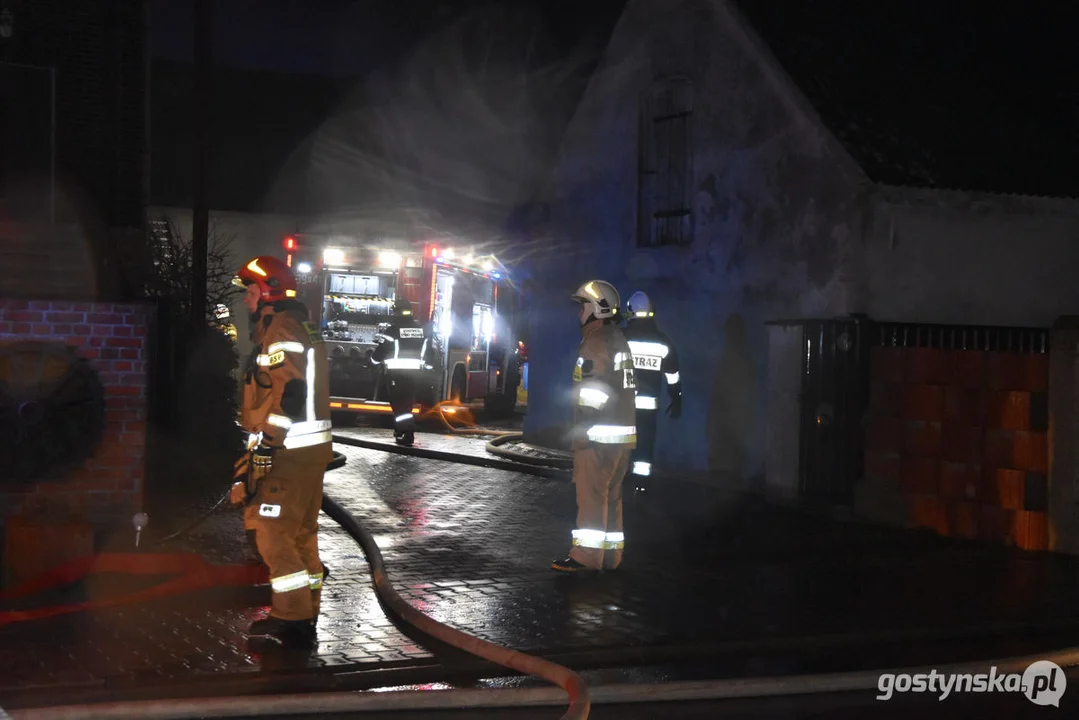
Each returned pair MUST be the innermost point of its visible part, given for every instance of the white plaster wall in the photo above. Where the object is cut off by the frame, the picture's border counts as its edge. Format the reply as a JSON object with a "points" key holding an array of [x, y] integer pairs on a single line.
{"points": [[956, 258]]}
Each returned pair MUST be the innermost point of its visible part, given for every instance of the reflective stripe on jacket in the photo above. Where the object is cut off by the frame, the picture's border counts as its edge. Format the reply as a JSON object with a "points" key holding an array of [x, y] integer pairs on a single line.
{"points": [[286, 389], [604, 387], [402, 346], [655, 360]]}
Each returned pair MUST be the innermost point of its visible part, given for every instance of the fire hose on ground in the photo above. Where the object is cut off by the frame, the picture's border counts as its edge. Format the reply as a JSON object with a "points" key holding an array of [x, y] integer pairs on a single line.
{"points": [[581, 698], [563, 677], [445, 408], [570, 683]]}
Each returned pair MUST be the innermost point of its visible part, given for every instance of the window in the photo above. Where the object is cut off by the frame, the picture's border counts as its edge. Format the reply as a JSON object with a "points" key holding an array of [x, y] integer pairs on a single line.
{"points": [[664, 214]]}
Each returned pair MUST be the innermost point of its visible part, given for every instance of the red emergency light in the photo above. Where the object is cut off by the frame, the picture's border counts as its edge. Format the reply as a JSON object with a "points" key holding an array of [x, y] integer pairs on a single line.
{"points": [[434, 252], [290, 243]]}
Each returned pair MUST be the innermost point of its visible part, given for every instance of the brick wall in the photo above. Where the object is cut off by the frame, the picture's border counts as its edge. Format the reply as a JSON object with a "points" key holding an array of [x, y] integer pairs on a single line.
{"points": [[965, 435], [113, 338]]}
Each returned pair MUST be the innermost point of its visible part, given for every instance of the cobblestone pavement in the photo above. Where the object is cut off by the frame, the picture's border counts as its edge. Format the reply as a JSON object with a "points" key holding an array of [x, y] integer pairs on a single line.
{"points": [[472, 546], [480, 541]]}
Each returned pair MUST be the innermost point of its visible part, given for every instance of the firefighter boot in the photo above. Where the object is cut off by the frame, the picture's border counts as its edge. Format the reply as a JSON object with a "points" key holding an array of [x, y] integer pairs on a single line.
{"points": [[286, 633], [569, 565]]}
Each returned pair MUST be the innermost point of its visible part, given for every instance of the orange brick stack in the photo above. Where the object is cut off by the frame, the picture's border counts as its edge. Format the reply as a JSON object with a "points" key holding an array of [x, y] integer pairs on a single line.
{"points": [[965, 434]]}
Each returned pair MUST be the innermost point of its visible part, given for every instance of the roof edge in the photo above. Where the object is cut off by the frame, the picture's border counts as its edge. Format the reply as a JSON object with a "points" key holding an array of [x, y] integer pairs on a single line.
{"points": [[960, 198], [784, 84], [541, 191]]}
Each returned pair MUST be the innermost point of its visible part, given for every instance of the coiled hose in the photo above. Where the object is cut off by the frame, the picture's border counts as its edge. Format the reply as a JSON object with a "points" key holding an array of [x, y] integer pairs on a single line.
{"points": [[443, 408]]}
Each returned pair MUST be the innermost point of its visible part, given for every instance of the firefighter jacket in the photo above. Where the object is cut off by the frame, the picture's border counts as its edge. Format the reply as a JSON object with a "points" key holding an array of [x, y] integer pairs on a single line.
{"points": [[402, 345], [604, 384], [654, 359], [286, 385]]}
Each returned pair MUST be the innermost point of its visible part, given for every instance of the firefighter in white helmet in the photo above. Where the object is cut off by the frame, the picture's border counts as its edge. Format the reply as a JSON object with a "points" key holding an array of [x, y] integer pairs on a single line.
{"points": [[286, 411], [603, 430], [655, 360]]}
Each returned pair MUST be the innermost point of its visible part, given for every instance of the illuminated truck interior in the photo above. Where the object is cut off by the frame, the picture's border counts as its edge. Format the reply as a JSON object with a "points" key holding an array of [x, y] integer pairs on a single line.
{"points": [[351, 290], [358, 289]]}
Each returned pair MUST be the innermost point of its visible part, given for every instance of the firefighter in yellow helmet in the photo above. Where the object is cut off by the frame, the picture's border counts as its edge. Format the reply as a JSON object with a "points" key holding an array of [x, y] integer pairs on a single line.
{"points": [[604, 434], [286, 411]]}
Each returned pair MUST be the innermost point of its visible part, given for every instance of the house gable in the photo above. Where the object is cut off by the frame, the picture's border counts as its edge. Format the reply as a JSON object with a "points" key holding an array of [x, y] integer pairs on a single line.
{"points": [[750, 136], [781, 83], [774, 214]]}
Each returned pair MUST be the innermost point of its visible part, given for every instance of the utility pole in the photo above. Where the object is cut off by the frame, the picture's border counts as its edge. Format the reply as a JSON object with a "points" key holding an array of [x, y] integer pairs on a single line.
{"points": [[200, 208]]}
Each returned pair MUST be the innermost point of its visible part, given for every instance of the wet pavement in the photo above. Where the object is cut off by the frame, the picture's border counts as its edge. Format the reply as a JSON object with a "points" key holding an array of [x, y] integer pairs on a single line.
{"points": [[712, 586]]}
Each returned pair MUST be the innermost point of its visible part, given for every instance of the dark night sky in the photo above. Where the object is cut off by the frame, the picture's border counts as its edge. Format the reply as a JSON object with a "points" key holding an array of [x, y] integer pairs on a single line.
{"points": [[957, 94], [963, 93], [268, 55], [341, 37], [330, 37]]}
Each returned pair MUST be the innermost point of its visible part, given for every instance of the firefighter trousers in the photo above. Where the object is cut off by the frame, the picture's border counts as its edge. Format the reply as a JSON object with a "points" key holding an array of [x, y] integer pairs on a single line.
{"points": [[402, 400], [641, 459], [283, 518], [598, 472]]}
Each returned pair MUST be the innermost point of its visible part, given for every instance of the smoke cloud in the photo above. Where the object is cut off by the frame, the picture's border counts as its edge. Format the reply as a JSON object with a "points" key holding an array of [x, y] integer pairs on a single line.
{"points": [[453, 139]]}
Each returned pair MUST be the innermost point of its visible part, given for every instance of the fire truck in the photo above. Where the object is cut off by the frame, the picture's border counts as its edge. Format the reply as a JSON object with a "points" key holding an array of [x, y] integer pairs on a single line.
{"points": [[468, 306]]}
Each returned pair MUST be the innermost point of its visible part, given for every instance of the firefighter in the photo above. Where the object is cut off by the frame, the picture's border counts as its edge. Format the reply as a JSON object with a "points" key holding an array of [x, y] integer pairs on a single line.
{"points": [[286, 410], [655, 359], [603, 430], [403, 351], [223, 318]]}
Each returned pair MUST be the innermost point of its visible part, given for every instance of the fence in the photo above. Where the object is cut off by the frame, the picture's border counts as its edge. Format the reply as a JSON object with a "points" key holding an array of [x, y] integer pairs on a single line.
{"points": [[955, 418]]}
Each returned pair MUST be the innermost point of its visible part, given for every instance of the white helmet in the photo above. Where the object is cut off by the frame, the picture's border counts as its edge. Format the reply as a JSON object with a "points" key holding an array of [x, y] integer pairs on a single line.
{"points": [[599, 297], [639, 305]]}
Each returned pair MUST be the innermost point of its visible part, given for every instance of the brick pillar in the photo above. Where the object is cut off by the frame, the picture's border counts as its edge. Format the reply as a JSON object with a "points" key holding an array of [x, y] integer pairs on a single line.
{"points": [[1064, 436]]}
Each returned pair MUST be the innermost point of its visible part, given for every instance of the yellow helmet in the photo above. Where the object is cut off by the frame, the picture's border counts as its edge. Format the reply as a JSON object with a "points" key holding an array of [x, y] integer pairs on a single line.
{"points": [[600, 297]]}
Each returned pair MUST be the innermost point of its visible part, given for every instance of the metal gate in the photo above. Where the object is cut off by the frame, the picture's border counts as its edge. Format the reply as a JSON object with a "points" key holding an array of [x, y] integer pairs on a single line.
{"points": [[987, 338], [834, 396]]}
